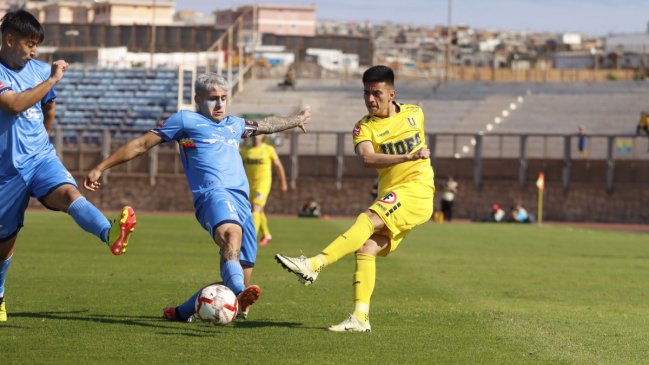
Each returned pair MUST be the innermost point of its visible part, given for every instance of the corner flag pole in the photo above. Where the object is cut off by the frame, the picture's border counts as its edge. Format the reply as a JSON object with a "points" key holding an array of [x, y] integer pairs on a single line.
{"points": [[540, 184]]}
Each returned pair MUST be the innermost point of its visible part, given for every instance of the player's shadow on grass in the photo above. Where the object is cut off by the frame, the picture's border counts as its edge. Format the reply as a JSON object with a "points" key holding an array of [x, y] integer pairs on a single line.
{"points": [[260, 324], [82, 315]]}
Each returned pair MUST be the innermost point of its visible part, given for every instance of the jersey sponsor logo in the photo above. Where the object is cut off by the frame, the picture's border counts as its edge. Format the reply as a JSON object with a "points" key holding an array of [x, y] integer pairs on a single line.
{"points": [[401, 147], [33, 114], [395, 207], [389, 198], [253, 161], [188, 145], [357, 130]]}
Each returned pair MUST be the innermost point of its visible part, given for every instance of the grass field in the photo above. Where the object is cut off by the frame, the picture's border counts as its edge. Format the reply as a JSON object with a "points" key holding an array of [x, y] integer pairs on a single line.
{"points": [[452, 293]]}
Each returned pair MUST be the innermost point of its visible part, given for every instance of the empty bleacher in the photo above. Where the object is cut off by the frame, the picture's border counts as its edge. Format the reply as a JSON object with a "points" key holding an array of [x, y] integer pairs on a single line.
{"points": [[120, 99]]}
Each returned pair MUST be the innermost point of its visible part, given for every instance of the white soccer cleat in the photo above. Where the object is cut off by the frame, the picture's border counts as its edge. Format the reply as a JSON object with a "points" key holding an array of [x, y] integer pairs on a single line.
{"points": [[298, 266], [351, 324]]}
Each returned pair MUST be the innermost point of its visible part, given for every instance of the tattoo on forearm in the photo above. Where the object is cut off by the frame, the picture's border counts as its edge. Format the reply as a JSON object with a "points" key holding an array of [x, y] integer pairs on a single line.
{"points": [[274, 124]]}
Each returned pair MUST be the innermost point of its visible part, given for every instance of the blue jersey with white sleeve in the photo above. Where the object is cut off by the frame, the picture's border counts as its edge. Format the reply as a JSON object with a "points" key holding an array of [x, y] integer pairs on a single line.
{"points": [[23, 138], [209, 151]]}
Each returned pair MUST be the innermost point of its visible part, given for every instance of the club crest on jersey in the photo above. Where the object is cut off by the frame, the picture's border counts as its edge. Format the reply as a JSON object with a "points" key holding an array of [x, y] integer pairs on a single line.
{"points": [[389, 198], [231, 129], [411, 121], [357, 130]]}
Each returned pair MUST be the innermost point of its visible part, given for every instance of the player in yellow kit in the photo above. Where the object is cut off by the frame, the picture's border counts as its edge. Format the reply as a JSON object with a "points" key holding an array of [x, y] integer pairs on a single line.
{"points": [[391, 139], [257, 160]]}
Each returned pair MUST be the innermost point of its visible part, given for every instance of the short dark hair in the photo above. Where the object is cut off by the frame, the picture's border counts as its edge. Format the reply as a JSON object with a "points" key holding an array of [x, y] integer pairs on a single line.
{"points": [[23, 24], [379, 73]]}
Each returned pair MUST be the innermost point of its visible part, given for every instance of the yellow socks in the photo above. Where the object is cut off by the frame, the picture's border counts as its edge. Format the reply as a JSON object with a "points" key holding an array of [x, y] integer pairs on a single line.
{"points": [[256, 217], [263, 224], [345, 244], [364, 279]]}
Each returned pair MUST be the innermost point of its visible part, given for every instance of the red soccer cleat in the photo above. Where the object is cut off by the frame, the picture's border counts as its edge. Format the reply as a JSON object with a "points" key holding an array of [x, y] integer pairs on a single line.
{"points": [[121, 230]]}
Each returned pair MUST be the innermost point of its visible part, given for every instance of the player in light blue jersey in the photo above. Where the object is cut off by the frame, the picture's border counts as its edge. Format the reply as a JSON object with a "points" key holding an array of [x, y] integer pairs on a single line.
{"points": [[28, 163], [209, 148]]}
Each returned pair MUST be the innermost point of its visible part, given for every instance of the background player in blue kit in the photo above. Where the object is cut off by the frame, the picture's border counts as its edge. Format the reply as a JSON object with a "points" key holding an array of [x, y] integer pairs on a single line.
{"points": [[209, 149], [28, 162]]}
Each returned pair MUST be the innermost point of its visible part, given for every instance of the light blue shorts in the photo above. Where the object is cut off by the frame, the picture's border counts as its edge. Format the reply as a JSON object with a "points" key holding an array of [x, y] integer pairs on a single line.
{"points": [[220, 206], [15, 190]]}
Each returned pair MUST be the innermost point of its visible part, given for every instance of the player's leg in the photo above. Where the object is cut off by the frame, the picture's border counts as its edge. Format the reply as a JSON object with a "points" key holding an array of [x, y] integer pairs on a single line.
{"points": [[228, 237], [6, 252], [247, 258], [256, 216], [14, 198], [307, 269], [56, 189], [266, 237], [258, 199], [364, 280]]}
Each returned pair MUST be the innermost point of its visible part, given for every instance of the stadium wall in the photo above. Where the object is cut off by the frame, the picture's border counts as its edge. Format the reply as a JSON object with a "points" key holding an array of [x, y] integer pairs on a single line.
{"points": [[585, 199]]}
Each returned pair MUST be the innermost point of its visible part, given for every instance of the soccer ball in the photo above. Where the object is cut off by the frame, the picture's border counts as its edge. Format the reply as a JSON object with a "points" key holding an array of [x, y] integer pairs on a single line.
{"points": [[216, 304]]}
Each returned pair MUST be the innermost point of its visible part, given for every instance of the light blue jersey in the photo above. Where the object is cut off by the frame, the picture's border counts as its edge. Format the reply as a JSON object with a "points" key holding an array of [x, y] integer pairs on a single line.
{"points": [[23, 138], [28, 163], [215, 173], [209, 151]]}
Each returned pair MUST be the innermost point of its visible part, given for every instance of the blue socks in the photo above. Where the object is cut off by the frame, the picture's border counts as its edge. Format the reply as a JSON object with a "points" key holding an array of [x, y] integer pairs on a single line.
{"points": [[232, 274], [89, 218], [4, 266], [187, 309]]}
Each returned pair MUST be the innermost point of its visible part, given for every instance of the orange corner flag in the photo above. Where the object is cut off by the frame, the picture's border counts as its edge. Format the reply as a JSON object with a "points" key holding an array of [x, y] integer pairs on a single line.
{"points": [[540, 182]]}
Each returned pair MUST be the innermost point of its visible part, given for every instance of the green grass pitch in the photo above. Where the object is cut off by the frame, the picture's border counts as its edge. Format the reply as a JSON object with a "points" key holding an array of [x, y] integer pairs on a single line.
{"points": [[452, 293]]}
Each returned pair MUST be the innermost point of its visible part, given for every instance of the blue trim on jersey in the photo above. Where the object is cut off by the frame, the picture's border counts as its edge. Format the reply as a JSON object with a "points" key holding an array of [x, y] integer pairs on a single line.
{"points": [[12, 235], [219, 224]]}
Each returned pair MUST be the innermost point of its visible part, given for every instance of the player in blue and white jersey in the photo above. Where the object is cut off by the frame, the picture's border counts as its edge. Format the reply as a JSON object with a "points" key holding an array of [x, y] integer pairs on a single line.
{"points": [[209, 149], [28, 163]]}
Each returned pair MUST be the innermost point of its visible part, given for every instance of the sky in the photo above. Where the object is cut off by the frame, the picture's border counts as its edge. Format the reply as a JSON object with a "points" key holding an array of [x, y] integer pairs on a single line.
{"points": [[594, 17]]}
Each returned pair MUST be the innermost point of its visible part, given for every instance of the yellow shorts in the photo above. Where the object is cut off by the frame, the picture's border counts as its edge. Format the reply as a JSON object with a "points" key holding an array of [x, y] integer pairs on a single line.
{"points": [[259, 194], [403, 208]]}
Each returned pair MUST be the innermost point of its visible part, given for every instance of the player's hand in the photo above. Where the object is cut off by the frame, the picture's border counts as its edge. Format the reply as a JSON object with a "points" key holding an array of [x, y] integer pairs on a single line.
{"points": [[58, 68], [283, 188], [91, 181], [421, 154], [305, 118]]}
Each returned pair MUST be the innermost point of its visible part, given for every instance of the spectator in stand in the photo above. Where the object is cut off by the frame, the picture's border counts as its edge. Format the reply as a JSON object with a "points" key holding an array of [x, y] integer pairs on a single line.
{"points": [[448, 197], [519, 214], [581, 141], [497, 213], [310, 209]]}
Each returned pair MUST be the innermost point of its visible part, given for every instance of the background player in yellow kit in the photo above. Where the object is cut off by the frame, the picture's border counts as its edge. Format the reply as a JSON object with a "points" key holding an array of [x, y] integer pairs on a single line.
{"points": [[391, 139], [257, 160]]}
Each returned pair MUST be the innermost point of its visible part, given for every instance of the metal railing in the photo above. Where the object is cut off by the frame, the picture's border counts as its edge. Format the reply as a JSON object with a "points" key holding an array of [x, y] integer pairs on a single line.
{"points": [[478, 148]]}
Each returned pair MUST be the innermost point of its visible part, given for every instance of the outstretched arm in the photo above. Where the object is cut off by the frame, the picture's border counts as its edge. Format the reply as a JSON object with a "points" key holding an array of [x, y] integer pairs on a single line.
{"points": [[274, 124], [127, 152], [375, 160]]}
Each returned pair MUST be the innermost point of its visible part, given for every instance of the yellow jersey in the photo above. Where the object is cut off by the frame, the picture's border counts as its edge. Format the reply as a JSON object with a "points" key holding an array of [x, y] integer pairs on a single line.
{"points": [[257, 162], [401, 134]]}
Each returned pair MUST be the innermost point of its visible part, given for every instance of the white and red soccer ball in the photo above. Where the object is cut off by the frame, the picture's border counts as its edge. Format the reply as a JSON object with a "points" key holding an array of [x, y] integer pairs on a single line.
{"points": [[216, 304]]}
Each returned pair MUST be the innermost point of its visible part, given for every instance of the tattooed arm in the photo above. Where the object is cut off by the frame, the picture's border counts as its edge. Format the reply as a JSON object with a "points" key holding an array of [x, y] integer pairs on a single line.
{"points": [[274, 124]]}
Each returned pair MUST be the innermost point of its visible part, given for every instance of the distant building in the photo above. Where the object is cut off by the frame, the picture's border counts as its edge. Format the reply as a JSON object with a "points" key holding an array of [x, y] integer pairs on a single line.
{"points": [[628, 43], [109, 12], [291, 20]]}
